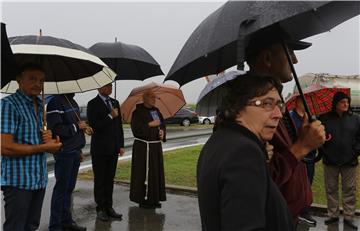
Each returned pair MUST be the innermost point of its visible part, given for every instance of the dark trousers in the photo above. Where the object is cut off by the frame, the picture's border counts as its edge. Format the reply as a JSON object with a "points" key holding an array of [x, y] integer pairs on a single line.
{"points": [[104, 168], [66, 171], [22, 208], [310, 169]]}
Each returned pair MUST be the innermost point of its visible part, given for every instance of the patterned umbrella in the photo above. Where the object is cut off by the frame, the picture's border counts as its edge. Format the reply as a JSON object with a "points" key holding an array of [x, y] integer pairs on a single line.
{"points": [[318, 97], [69, 67], [169, 100]]}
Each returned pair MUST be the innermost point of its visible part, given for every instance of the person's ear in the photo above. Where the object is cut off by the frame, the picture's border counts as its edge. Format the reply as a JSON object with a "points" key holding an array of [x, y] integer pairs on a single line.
{"points": [[266, 57]]}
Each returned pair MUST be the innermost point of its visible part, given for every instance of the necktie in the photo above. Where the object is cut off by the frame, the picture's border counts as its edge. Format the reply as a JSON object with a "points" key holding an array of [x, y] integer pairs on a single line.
{"points": [[108, 104]]}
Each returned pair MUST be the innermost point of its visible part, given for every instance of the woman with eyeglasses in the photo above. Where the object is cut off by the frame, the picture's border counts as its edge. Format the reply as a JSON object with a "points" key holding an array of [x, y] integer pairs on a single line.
{"points": [[235, 190]]}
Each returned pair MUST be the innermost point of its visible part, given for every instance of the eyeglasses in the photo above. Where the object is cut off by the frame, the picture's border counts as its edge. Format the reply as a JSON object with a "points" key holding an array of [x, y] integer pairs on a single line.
{"points": [[268, 104]]}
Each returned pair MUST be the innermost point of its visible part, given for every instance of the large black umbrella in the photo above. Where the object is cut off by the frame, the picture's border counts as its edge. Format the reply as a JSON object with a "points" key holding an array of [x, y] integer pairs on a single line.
{"points": [[129, 62], [211, 96], [9, 69], [68, 67], [212, 47]]}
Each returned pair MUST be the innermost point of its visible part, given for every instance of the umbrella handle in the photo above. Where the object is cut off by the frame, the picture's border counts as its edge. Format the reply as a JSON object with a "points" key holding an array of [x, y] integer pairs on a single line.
{"points": [[44, 111], [301, 94]]}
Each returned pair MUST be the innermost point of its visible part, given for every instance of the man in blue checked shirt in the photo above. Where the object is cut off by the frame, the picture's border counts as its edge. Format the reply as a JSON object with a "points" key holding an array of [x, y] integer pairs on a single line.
{"points": [[23, 151]]}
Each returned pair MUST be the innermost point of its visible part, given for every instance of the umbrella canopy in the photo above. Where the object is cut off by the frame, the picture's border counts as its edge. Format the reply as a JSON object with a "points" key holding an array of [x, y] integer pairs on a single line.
{"points": [[169, 100], [68, 67], [318, 98], [214, 46], [211, 96], [128, 61], [9, 69]]}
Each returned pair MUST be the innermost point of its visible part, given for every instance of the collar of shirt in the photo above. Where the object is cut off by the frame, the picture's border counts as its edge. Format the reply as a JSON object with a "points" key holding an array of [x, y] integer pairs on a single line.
{"points": [[104, 98], [27, 98]]}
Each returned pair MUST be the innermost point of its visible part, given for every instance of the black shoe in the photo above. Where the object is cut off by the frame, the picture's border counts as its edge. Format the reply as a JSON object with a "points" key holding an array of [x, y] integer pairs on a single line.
{"points": [[350, 223], [73, 227], [306, 218], [111, 213], [331, 220], [102, 215], [157, 205]]}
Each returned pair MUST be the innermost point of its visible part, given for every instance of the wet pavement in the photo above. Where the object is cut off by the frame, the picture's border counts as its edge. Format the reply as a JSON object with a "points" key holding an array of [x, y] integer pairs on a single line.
{"points": [[322, 227], [178, 213]]}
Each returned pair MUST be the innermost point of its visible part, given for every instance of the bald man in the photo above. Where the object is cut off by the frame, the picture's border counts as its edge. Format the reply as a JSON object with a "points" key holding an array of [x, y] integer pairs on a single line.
{"points": [[147, 187]]}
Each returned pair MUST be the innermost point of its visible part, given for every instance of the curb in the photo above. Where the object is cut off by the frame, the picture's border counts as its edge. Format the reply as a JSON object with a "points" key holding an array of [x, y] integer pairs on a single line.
{"points": [[317, 209]]}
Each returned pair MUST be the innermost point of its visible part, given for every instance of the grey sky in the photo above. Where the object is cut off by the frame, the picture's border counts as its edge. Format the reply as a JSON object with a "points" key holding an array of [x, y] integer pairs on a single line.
{"points": [[162, 28]]}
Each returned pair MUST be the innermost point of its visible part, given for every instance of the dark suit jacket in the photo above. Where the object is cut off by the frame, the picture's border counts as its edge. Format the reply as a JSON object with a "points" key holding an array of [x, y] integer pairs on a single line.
{"points": [[108, 135]]}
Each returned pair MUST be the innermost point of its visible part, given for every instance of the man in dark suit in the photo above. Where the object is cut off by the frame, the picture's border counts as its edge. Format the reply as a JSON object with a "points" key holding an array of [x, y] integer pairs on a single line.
{"points": [[107, 143]]}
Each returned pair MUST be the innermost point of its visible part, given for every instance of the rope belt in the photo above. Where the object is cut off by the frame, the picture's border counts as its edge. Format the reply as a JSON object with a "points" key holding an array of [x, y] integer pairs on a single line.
{"points": [[147, 161]]}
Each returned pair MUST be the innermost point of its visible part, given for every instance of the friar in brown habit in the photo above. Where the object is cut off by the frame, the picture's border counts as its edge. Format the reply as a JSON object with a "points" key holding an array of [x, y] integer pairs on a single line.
{"points": [[147, 186]]}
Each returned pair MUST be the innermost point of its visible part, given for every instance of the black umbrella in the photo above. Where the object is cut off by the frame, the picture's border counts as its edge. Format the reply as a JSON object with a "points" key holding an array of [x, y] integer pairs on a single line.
{"points": [[130, 62], [68, 67], [211, 96], [212, 47], [9, 69]]}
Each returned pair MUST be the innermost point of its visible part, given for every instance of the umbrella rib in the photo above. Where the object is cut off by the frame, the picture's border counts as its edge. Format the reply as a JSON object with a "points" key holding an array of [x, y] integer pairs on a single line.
{"points": [[96, 81], [79, 85], [57, 87]]}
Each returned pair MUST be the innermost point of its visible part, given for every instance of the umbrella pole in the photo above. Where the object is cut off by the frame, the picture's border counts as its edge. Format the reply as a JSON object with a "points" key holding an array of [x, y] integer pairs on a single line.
{"points": [[115, 90], [115, 77], [43, 107], [301, 94], [306, 107]]}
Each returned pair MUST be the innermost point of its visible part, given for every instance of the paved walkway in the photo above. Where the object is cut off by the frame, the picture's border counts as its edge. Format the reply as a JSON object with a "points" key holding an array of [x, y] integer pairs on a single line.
{"points": [[178, 213]]}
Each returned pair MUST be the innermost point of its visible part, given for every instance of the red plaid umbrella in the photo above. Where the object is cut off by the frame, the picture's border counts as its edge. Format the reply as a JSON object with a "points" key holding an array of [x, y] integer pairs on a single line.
{"points": [[318, 98]]}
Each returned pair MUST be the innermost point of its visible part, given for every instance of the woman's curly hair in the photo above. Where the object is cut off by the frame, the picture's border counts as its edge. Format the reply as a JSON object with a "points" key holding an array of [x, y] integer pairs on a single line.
{"points": [[241, 90]]}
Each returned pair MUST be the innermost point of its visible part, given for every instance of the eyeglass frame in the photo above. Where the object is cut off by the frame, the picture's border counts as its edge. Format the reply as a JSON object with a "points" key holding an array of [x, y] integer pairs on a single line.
{"points": [[261, 103]]}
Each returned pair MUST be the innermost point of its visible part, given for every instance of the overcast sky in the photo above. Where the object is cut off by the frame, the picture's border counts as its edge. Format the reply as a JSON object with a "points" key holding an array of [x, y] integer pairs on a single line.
{"points": [[162, 28]]}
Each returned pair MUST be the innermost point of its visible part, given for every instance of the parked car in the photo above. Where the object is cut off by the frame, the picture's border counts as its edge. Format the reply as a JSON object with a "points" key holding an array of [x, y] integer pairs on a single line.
{"points": [[184, 117], [356, 109], [206, 120]]}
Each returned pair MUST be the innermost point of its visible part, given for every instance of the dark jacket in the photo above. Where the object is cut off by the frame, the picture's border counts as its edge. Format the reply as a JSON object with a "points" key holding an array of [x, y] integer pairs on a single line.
{"points": [[235, 189], [108, 135], [62, 120], [139, 123], [344, 146], [289, 174]]}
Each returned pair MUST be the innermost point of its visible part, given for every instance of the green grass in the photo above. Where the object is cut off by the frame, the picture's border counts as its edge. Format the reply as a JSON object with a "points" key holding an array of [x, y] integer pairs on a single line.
{"points": [[179, 166], [180, 170]]}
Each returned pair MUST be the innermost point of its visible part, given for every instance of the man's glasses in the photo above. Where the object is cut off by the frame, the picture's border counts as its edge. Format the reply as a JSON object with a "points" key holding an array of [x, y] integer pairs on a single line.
{"points": [[268, 104]]}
